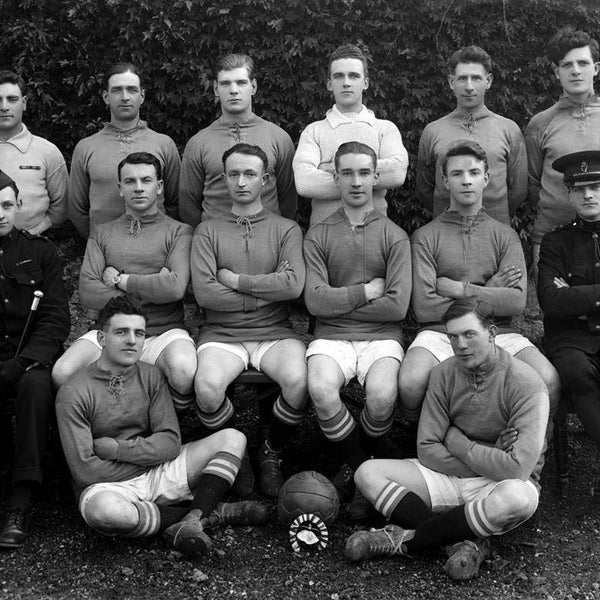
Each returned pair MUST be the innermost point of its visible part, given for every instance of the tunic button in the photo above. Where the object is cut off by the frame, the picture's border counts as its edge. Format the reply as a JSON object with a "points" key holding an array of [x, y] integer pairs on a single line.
{"points": [[597, 264], [5, 300], [597, 326], [597, 303], [32, 281]]}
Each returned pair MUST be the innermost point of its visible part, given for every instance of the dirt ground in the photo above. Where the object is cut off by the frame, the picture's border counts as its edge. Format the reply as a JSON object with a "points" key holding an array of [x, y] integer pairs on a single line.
{"points": [[556, 555]]}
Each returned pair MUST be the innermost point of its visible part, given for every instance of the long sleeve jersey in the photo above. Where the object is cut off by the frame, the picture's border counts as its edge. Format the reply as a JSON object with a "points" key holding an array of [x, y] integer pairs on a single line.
{"points": [[314, 165], [340, 259], [504, 145], [93, 191], [465, 410], [470, 250], [134, 408], [29, 263], [155, 252], [563, 128], [571, 314], [203, 193], [39, 170], [253, 247]]}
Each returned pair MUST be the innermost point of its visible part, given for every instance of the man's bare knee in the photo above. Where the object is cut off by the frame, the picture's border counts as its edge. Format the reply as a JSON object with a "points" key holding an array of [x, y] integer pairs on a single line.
{"points": [[512, 500], [110, 513]]}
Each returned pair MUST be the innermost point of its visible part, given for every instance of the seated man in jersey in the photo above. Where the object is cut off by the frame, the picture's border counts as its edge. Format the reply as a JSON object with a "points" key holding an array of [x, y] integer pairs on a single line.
{"points": [[146, 254], [245, 268], [480, 453], [465, 253], [122, 443]]}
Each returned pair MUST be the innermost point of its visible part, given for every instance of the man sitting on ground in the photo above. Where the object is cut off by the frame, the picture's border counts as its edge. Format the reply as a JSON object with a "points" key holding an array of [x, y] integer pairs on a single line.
{"points": [[122, 443], [480, 449]]}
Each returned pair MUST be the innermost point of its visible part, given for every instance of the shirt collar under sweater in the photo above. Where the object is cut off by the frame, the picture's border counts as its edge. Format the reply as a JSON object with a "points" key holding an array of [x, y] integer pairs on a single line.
{"points": [[336, 117], [21, 141], [110, 129]]}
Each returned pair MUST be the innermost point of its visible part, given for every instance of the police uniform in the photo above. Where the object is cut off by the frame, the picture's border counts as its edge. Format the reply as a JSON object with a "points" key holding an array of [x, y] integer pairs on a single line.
{"points": [[572, 312], [29, 263]]}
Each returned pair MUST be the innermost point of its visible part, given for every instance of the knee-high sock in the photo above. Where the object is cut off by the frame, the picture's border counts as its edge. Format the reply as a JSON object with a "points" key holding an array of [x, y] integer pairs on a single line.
{"points": [[343, 434], [401, 506], [216, 479], [220, 418], [373, 429], [284, 421], [181, 402], [460, 523]]}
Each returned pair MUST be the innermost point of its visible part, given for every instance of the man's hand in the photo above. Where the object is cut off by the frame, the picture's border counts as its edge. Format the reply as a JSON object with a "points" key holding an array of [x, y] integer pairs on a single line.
{"points": [[228, 278], [559, 282], [108, 275], [375, 288], [507, 439], [282, 266], [106, 448], [508, 277], [448, 288]]}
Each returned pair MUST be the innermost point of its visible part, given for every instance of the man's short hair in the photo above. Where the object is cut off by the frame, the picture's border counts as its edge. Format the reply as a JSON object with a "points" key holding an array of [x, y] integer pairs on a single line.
{"points": [[121, 67], [354, 148], [141, 158], [119, 305], [566, 39], [348, 51], [250, 149], [470, 54], [465, 306], [6, 181], [228, 62], [12, 77], [464, 148]]}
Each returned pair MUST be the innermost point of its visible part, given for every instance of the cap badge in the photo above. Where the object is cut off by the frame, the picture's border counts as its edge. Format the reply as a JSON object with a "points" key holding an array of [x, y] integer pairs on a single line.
{"points": [[584, 167]]}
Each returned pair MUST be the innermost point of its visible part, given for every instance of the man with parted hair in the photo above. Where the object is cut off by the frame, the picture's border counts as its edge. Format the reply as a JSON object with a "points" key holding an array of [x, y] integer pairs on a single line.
{"points": [[144, 253], [29, 344], [572, 124], [469, 78], [358, 288], [93, 190], [245, 269], [348, 120], [35, 164], [480, 453], [465, 253], [202, 192], [123, 446]]}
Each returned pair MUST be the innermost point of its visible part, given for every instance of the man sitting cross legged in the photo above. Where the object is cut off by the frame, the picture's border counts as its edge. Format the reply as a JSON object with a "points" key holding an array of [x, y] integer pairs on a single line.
{"points": [[480, 453], [244, 270], [122, 443]]}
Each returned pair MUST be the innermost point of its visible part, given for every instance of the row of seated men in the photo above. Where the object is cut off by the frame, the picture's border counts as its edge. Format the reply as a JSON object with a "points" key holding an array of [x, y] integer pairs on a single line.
{"points": [[193, 189], [485, 414]]}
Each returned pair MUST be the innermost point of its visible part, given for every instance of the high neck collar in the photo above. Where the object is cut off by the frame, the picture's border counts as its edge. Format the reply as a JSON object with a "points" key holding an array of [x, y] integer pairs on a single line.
{"points": [[9, 238], [589, 226]]}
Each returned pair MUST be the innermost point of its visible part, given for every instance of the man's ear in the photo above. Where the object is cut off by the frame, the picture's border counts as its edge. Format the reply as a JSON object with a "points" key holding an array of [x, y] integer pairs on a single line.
{"points": [[493, 332], [100, 337]]}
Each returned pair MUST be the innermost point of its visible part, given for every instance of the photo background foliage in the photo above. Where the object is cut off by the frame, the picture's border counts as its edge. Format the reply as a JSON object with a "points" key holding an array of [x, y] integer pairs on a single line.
{"points": [[62, 48]]}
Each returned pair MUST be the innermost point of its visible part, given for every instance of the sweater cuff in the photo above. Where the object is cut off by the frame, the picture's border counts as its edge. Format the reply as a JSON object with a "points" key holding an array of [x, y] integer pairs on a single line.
{"points": [[357, 295], [243, 283]]}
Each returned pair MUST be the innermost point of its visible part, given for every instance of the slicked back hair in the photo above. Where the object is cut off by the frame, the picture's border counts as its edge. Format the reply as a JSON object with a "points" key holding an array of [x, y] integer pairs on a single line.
{"points": [[14, 78], [121, 67], [119, 305], [354, 148], [250, 149], [470, 305], [470, 54], [228, 62], [141, 158], [464, 148], [566, 39], [348, 51]]}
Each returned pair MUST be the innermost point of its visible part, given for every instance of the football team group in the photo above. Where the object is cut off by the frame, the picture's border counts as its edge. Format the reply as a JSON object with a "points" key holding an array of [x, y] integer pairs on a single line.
{"points": [[221, 222]]}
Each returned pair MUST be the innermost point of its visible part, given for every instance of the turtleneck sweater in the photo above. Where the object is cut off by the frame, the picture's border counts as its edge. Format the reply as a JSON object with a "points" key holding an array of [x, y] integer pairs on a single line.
{"points": [[93, 191], [314, 159], [154, 252], [565, 127], [504, 145], [471, 250], [134, 408], [253, 247], [465, 410]]}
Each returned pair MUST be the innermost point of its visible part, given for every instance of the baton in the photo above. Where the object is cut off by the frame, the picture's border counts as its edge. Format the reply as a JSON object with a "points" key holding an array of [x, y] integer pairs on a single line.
{"points": [[37, 296]]}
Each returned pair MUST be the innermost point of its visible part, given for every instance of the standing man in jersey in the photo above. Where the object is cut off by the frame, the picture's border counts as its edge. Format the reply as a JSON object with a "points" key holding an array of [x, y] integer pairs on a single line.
{"points": [[144, 253], [93, 191], [358, 287], [245, 269], [469, 78], [570, 125], [348, 120], [465, 253], [202, 192], [35, 164], [27, 350]]}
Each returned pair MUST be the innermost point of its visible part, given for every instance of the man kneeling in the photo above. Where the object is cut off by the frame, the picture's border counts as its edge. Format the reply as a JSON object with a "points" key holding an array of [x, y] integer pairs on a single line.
{"points": [[480, 447], [122, 442]]}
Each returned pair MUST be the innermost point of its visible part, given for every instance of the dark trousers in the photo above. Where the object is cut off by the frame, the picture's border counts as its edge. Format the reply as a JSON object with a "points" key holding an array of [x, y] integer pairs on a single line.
{"points": [[580, 376], [33, 398]]}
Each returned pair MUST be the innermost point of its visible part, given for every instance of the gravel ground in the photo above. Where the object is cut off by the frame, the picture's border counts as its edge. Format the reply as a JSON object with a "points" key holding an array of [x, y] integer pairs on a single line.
{"points": [[555, 555]]}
